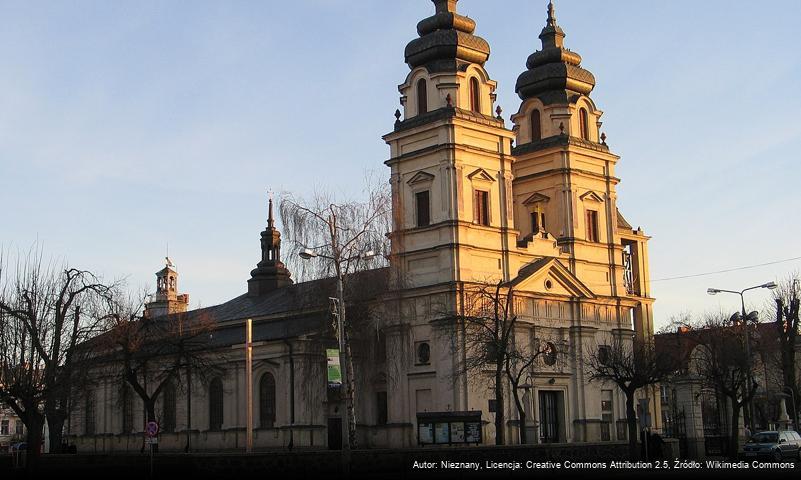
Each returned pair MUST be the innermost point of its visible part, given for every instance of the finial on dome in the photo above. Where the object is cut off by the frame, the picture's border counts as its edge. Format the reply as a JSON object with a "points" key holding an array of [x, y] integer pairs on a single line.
{"points": [[551, 14], [445, 6], [270, 221]]}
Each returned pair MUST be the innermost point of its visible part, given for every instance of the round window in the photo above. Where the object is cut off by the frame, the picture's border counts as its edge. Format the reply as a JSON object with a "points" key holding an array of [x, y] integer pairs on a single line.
{"points": [[548, 284]]}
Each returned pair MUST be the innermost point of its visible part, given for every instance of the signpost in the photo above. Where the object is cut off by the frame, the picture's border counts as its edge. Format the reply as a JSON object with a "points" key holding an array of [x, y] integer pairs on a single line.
{"points": [[151, 438]]}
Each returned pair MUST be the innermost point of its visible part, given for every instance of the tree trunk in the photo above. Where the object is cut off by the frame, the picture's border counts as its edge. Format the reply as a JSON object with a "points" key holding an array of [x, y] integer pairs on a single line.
{"points": [[34, 424], [521, 415], [734, 439], [351, 393], [631, 420], [150, 407], [55, 428], [499, 417]]}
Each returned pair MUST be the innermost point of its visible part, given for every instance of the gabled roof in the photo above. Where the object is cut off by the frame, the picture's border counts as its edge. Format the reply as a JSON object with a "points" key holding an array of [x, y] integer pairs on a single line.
{"points": [[536, 198], [481, 174], [420, 177], [533, 277], [590, 195]]}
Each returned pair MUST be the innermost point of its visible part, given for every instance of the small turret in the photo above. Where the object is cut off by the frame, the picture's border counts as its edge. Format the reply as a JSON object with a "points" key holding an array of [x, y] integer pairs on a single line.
{"points": [[446, 41], [167, 300], [554, 73], [270, 273]]}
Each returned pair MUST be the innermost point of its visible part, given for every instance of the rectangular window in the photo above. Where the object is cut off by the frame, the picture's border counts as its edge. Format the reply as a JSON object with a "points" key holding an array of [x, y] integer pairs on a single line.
{"points": [[381, 408], [592, 226], [607, 417], [20, 427], [4, 428], [537, 221], [423, 208], [481, 207]]}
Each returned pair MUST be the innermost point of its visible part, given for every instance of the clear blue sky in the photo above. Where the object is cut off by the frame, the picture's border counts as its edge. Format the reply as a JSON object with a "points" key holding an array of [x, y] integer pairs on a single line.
{"points": [[129, 124]]}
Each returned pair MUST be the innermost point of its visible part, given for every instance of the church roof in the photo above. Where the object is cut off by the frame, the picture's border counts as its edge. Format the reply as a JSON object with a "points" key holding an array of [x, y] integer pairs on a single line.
{"points": [[286, 312]]}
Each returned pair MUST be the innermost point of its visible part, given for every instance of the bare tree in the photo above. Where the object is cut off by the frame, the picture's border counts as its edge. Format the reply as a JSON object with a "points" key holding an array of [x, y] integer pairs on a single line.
{"points": [[722, 361], [151, 353], [523, 357], [495, 342], [41, 304], [631, 366], [339, 240], [787, 299]]}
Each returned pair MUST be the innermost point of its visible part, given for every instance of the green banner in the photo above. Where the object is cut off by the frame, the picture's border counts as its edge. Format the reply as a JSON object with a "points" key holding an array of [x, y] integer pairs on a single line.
{"points": [[334, 370]]}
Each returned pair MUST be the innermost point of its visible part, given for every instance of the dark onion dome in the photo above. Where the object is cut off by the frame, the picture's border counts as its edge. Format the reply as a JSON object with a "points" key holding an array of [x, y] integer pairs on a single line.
{"points": [[446, 41], [554, 73]]}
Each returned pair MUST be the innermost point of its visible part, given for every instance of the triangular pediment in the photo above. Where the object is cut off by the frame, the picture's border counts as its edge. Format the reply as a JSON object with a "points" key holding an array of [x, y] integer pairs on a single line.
{"points": [[548, 276], [481, 175], [590, 195], [537, 198], [421, 177]]}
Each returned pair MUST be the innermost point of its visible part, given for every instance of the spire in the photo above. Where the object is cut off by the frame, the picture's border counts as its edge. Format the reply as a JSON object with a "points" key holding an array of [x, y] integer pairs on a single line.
{"points": [[446, 41], [554, 73], [270, 273]]}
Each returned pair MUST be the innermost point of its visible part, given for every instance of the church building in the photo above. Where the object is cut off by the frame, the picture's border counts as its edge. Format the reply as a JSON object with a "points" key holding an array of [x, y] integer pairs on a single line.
{"points": [[531, 203]]}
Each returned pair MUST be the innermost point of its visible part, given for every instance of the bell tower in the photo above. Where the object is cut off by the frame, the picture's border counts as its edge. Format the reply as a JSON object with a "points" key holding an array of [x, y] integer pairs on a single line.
{"points": [[450, 159], [270, 273], [565, 180], [166, 300]]}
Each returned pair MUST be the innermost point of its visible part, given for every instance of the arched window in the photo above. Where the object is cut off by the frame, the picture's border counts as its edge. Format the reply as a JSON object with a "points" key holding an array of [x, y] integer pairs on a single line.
{"points": [[584, 124], [127, 409], [536, 126], [267, 401], [422, 97], [475, 95], [168, 407], [215, 404]]}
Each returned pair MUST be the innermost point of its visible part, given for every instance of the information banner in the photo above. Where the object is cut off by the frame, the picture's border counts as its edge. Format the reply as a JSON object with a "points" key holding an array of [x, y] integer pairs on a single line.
{"points": [[334, 370]]}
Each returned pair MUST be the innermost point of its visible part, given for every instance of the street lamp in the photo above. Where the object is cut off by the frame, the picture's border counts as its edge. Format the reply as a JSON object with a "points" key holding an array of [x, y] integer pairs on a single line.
{"points": [[744, 318], [308, 254]]}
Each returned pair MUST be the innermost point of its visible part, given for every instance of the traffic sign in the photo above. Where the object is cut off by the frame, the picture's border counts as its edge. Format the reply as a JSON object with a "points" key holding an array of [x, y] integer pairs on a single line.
{"points": [[152, 429]]}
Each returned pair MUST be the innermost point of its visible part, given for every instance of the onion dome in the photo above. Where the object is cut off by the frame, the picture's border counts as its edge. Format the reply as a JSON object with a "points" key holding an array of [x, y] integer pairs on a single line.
{"points": [[446, 41], [554, 73]]}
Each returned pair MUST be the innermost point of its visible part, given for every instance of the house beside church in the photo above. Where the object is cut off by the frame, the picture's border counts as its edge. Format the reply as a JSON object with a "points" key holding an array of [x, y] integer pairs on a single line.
{"points": [[532, 203]]}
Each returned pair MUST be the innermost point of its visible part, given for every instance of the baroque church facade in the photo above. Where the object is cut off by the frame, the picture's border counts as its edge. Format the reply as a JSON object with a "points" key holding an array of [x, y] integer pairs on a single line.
{"points": [[533, 206]]}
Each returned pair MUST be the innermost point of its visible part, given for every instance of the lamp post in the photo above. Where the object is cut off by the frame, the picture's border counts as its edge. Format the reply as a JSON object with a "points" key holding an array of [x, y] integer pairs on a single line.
{"points": [[338, 260], [745, 318]]}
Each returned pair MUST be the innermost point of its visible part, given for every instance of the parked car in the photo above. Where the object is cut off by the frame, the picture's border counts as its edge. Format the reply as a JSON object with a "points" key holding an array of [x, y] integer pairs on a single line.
{"points": [[777, 445]]}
